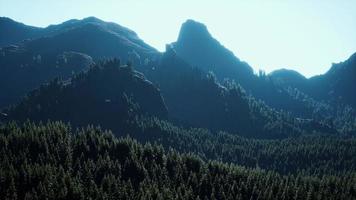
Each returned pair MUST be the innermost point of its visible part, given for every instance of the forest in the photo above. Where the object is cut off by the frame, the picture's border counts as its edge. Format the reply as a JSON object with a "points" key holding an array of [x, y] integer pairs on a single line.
{"points": [[53, 161]]}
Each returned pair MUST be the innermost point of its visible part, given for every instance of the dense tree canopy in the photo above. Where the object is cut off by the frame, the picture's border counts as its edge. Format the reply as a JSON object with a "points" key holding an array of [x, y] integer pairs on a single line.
{"points": [[52, 161]]}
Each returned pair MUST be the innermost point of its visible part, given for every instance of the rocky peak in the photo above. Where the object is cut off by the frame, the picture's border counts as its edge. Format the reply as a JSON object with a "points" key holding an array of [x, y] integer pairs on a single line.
{"points": [[192, 31]]}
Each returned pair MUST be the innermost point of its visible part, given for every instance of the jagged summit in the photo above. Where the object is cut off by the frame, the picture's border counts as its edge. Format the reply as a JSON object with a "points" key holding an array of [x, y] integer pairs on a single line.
{"points": [[193, 30], [197, 46], [348, 64]]}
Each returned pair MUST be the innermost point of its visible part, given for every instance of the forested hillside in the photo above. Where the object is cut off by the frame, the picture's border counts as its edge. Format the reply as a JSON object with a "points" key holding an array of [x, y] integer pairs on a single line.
{"points": [[109, 94], [198, 99], [52, 161], [199, 48], [22, 70], [31, 56], [312, 155]]}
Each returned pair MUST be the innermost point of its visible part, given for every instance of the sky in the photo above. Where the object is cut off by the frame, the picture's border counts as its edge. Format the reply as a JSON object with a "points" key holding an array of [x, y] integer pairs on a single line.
{"points": [[303, 35]]}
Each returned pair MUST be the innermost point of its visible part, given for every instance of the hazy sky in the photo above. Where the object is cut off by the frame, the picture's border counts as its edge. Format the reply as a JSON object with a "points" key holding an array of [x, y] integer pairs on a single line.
{"points": [[304, 35]]}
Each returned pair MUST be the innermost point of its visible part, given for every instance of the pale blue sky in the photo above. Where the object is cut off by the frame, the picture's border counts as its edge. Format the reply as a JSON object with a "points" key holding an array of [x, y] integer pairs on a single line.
{"points": [[304, 35]]}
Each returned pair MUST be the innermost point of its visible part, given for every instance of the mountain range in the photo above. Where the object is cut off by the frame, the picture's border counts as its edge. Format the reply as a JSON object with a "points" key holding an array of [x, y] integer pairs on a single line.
{"points": [[198, 122], [36, 56]]}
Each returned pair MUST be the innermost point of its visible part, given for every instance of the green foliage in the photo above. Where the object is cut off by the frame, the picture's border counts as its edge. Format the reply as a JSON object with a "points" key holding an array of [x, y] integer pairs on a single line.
{"points": [[312, 155], [52, 161]]}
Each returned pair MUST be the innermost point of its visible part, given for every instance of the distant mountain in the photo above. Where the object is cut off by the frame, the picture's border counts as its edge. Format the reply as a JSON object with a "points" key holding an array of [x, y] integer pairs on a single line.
{"points": [[96, 38], [107, 95], [336, 84], [12, 32], [280, 91], [328, 97], [22, 70], [196, 45], [38, 57], [195, 98], [289, 77], [116, 29], [332, 87], [90, 35]]}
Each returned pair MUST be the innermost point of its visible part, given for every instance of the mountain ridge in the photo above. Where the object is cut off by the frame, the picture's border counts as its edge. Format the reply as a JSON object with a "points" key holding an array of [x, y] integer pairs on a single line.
{"points": [[197, 47]]}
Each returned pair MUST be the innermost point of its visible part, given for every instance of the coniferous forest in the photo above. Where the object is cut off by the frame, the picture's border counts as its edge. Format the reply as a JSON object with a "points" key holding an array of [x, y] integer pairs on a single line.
{"points": [[88, 110]]}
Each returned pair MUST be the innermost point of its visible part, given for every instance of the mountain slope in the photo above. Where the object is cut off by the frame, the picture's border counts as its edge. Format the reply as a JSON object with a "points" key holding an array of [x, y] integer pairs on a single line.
{"points": [[22, 70], [332, 87], [335, 84], [12, 32], [195, 98], [289, 77], [38, 56], [114, 28], [93, 40], [90, 35], [107, 95], [199, 48]]}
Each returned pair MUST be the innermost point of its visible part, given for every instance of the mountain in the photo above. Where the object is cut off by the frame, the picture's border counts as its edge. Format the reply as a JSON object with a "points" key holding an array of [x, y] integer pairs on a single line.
{"points": [[336, 83], [114, 94], [22, 70], [12, 32], [96, 38], [90, 35], [108, 95], [332, 87], [289, 77], [196, 45], [195, 98], [116, 29], [38, 57], [204, 126], [325, 97], [318, 98]]}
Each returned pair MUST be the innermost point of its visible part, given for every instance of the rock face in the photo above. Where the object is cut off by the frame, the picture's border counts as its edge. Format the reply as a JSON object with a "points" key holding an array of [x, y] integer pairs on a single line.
{"points": [[196, 45], [107, 95]]}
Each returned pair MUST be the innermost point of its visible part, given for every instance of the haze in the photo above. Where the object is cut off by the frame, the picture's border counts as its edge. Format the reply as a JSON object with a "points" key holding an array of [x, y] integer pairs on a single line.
{"points": [[306, 36]]}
